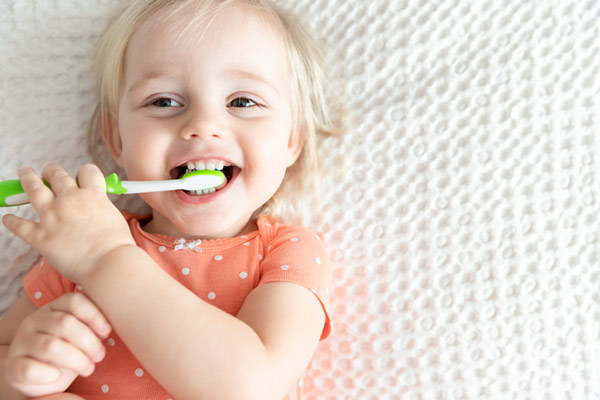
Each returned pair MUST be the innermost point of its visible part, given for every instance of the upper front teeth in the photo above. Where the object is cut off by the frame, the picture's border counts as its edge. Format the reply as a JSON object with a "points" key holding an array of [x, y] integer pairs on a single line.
{"points": [[200, 165]]}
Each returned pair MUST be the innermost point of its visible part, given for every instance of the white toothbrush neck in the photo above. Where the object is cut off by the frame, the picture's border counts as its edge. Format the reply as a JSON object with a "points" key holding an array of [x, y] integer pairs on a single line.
{"points": [[197, 182], [151, 186]]}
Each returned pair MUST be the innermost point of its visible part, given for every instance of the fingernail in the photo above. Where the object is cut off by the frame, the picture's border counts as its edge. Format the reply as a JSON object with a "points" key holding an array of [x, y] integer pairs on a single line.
{"points": [[89, 370], [100, 355], [105, 329]]}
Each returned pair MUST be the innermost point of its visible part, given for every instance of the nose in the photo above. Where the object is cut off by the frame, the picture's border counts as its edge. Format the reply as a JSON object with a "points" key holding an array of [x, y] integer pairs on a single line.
{"points": [[201, 124]]}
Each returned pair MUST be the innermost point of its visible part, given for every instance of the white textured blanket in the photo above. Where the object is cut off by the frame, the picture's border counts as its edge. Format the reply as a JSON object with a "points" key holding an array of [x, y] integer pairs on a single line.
{"points": [[466, 233]]}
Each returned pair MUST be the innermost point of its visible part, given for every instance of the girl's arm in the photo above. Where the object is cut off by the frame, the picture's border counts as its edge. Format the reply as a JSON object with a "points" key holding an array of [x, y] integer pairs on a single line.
{"points": [[197, 351]]}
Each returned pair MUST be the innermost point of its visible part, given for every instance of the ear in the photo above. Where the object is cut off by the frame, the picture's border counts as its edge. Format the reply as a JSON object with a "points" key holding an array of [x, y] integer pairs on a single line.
{"points": [[295, 145], [109, 131]]}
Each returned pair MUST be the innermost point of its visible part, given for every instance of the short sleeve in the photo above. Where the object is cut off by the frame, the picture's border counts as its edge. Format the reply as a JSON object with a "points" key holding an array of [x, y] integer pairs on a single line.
{"points": [[44, 284], [297, 255]]}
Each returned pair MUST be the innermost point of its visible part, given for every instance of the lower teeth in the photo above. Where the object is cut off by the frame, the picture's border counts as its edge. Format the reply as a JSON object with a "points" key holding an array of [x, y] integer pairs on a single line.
{"points": [[201, 192]]}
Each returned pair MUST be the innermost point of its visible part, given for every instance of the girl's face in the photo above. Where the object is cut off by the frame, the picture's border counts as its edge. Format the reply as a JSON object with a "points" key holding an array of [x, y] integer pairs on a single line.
{"points": [[219, 97]]}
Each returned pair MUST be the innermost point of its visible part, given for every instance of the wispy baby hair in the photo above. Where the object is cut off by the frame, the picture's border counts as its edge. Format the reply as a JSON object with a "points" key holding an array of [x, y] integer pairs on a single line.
{"points": [[315, 112]]}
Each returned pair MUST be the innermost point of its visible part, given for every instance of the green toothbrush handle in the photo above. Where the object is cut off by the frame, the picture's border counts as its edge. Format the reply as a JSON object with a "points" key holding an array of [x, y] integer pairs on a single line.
{"points": [[12, 193], [113, 185]]}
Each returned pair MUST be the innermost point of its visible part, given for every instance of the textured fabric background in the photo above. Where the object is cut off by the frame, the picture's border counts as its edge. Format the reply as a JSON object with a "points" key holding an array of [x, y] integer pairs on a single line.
{"points": [[465, 233]]}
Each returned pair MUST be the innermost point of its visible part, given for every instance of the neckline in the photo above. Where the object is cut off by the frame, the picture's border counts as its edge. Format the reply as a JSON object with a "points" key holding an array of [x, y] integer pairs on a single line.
{"points": [[206, 245]]}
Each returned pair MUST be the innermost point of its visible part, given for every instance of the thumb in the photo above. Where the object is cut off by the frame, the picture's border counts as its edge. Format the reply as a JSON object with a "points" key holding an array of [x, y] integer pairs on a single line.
{"points": [[20, 227]]}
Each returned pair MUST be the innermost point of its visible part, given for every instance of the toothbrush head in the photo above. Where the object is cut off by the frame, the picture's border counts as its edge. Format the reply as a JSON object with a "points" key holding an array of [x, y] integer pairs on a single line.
{"points": [[202, 180]]}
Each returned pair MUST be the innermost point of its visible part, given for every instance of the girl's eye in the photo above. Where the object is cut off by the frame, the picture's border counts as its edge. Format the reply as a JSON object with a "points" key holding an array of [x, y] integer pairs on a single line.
{"points": [[165, 102], [242, 102]]}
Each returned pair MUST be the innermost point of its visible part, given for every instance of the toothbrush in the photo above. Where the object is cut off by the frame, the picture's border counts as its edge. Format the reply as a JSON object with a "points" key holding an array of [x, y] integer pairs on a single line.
{"points": [[12, 194]]}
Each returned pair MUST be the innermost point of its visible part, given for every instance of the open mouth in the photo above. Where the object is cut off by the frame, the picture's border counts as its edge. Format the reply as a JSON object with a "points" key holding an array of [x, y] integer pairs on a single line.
{"points": [[230, 171]]}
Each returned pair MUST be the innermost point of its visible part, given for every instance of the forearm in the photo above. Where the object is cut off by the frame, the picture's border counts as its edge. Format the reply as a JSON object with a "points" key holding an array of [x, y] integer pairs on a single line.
{"points": [[192, 348], [7, 392]]}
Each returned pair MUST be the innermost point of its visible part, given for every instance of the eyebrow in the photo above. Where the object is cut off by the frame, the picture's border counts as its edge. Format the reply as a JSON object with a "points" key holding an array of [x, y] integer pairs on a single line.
{"points": [[150, 76], [233, 73], [244, 74]]}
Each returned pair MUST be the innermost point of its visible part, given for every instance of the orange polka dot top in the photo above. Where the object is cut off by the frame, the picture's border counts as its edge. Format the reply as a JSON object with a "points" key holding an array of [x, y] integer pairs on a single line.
{"points": [[221, 271]]}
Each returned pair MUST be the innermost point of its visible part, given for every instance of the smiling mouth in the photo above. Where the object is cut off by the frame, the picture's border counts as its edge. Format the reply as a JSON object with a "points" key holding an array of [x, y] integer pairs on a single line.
{"points": [[228, 170]]}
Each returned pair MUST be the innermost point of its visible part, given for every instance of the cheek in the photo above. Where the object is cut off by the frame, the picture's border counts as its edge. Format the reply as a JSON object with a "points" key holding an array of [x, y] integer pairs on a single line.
{"points": [[267, 157], [271, 164], [141, 157], [272, 141]]}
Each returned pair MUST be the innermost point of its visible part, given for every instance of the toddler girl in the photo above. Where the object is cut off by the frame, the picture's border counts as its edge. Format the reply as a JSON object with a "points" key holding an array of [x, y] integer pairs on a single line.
{"points": [[210, 296]]}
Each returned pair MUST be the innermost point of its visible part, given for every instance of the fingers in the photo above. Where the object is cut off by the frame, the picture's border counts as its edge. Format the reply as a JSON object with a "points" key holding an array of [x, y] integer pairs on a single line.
{"points": [[65, 326], [64, 334], [40, 196], [24, 369], [75, 320], [53, 351], [60, 181], [38, 193], [20, 227], [90, 176], [82, 308]]}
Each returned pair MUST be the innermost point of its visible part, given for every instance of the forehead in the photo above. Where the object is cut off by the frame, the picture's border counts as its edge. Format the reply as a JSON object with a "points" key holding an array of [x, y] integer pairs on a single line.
{"points": [[195, 28]]}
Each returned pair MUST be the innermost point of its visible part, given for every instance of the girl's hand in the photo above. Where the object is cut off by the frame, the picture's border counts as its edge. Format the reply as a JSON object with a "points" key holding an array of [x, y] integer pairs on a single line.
{"points": [[77, 225], [55, 344]]}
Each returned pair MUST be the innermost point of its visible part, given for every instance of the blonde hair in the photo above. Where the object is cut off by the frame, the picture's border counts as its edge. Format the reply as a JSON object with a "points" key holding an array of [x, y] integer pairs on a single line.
{"points": [[317, 113]]}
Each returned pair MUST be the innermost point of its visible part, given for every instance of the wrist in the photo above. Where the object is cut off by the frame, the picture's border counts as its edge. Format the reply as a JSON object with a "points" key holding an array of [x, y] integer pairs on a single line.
{"points": [[105, 261]]}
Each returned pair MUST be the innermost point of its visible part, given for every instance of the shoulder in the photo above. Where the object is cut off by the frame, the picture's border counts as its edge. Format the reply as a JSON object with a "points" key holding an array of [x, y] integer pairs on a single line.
{"points": [[294, 254], [271, 232], [287, 245]]}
